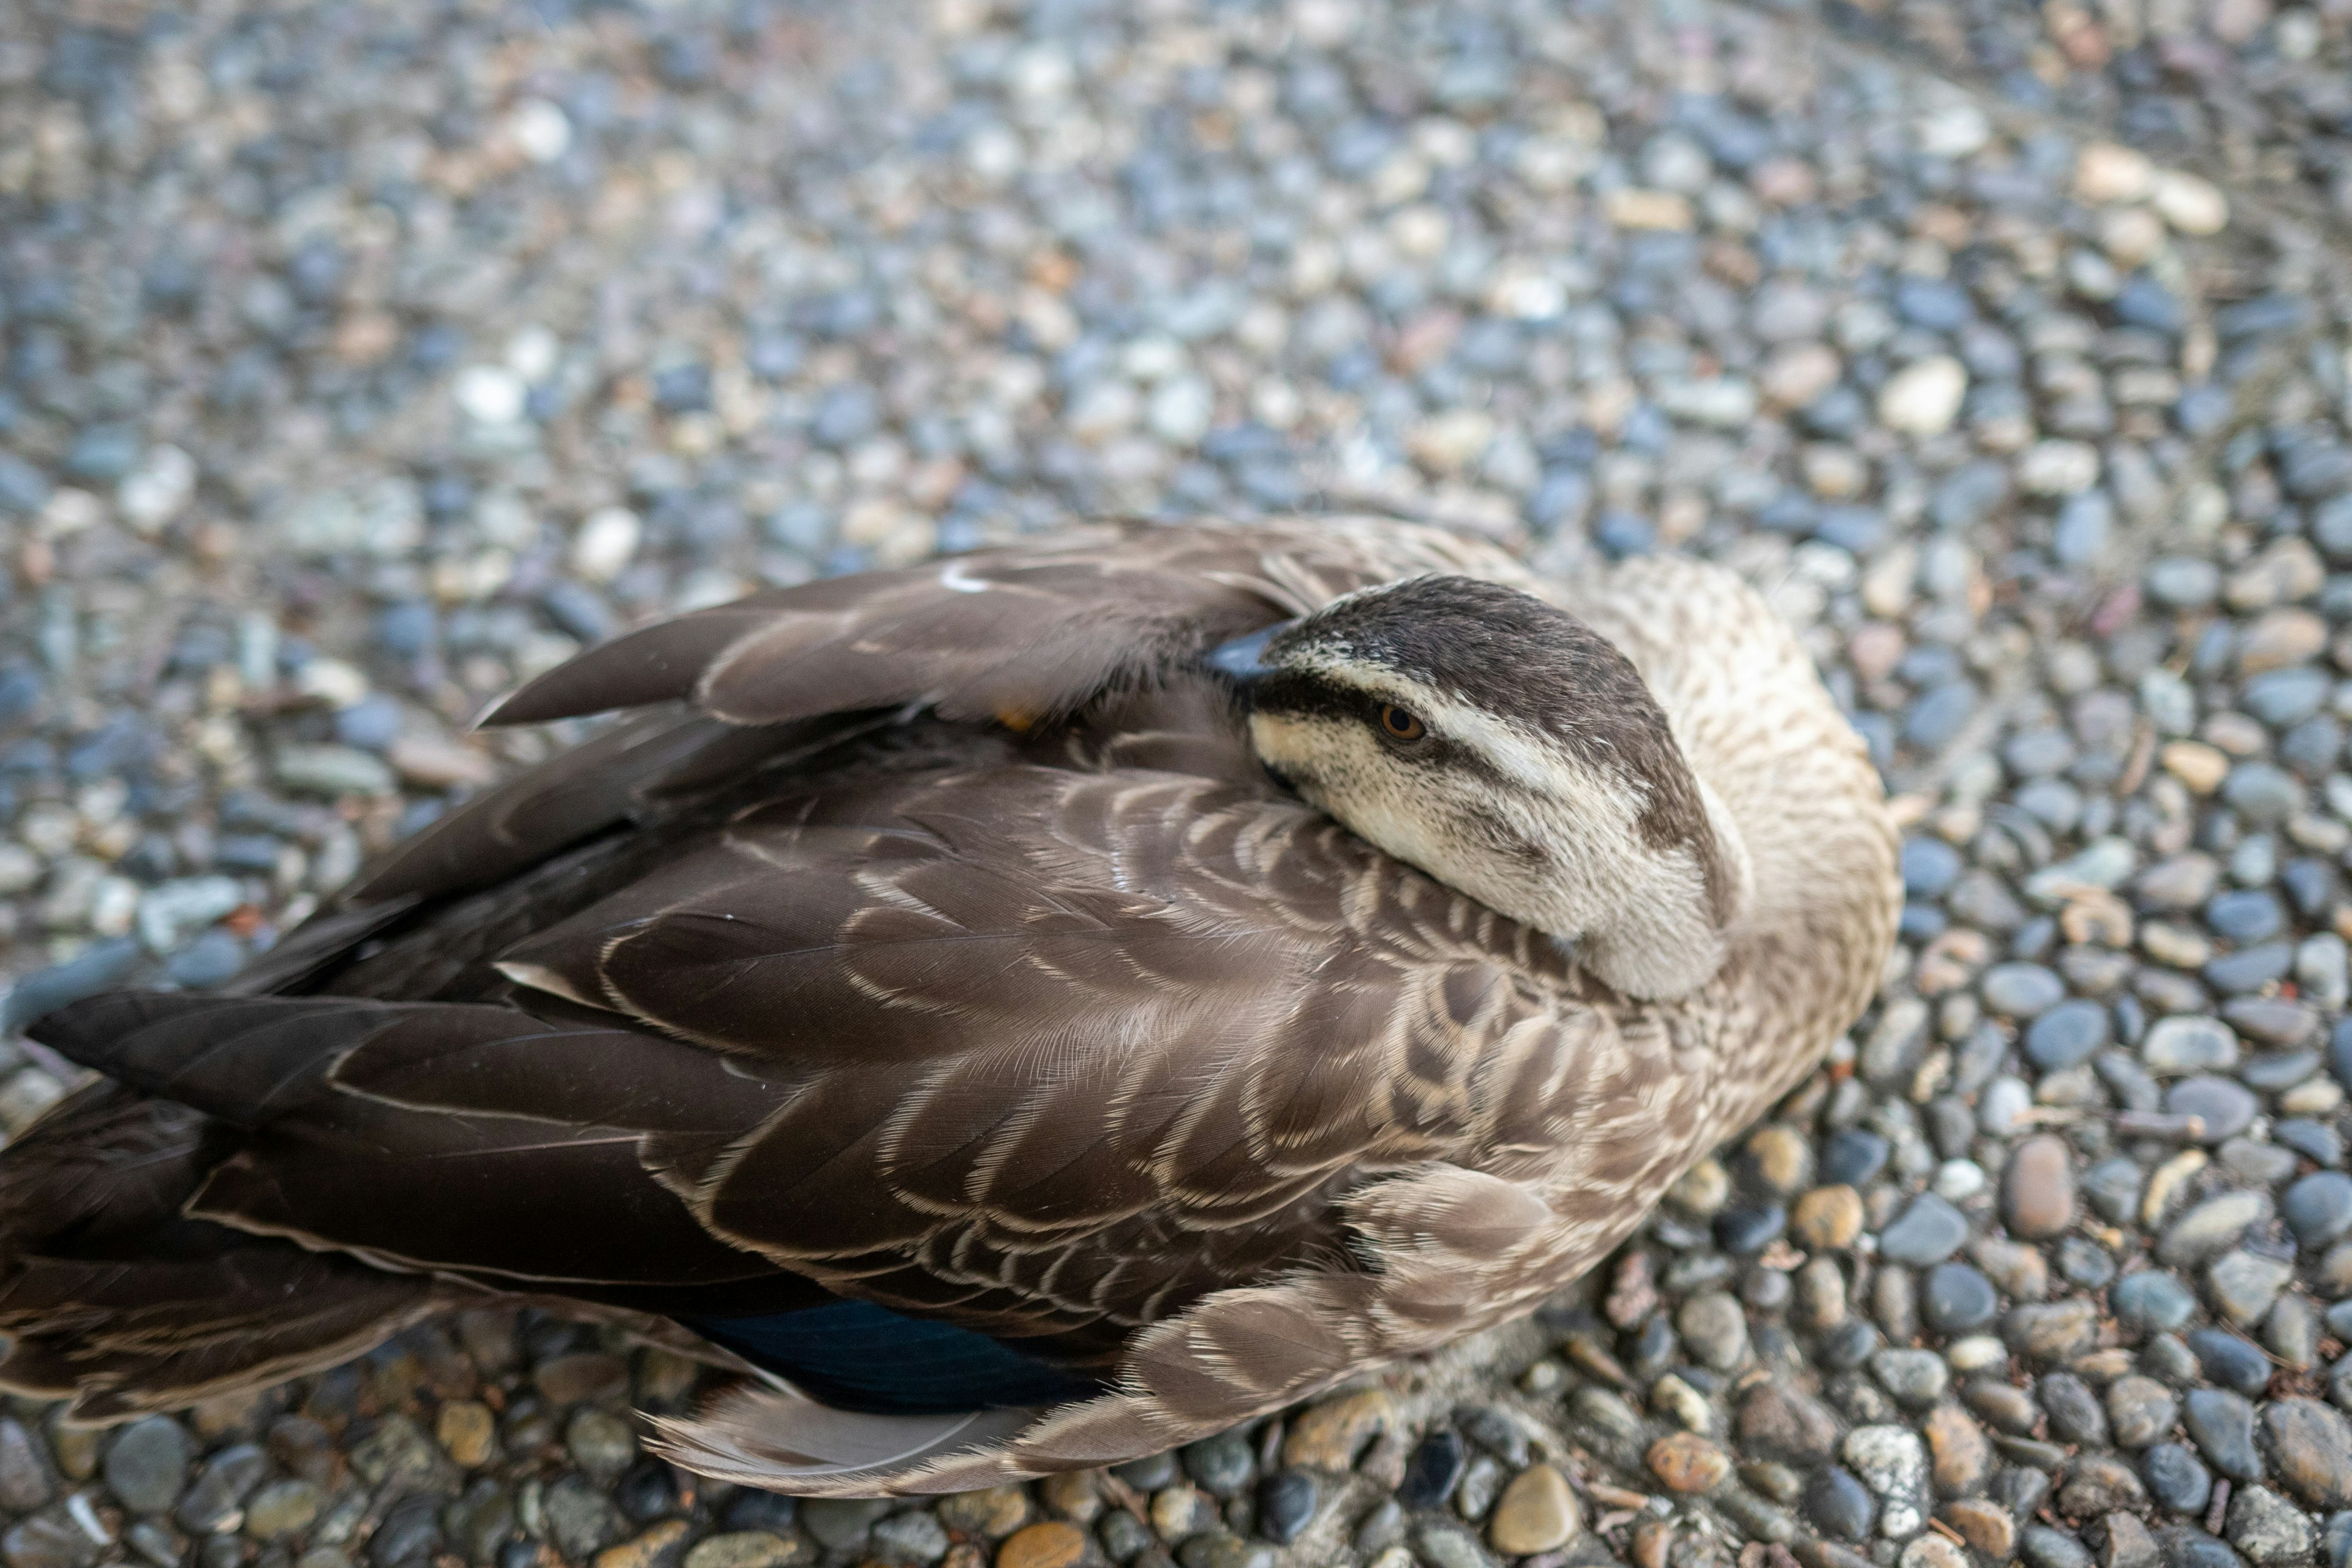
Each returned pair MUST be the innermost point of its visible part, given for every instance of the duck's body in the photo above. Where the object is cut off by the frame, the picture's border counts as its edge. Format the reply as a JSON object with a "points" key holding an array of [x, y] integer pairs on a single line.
{"points": [[936, 1001]]}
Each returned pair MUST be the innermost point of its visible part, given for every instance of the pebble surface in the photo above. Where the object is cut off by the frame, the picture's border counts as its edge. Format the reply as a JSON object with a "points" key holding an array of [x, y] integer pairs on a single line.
{"points": [[358, 362]]}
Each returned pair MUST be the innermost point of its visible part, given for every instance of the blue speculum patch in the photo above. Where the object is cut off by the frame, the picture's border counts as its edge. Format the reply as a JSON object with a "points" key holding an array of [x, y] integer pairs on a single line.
{"points": [[854, 1355]]}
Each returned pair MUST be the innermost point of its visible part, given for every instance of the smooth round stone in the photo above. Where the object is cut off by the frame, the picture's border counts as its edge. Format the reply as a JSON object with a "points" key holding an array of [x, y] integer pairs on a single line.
{"points": [[2043, 1547], [1536, 1513], [2245, 915], [2140, 1410], [148, 1463], [1851, 1157], [1932, 722], [2113, 1185], [2282, 696], [1286, 1503], [2314, 1141], [2022, 990], [2275, 1072], [2251, 969], [2262, 793], [1929, 866], [2227, 1107], [2189, 1044], [2153, 1301], [1431, 1471], [2037, 1188], [1221, 1465], [2083, 1262], [1977, 1353], [2183, 582], [2176, 1478], [2319, 1209], [1928, 1232], [2066, 1034], [2231, 1361], [1839, 1505], [1957, 1298], [1915, 1378], [2224, 1425], [1745, 1230]]}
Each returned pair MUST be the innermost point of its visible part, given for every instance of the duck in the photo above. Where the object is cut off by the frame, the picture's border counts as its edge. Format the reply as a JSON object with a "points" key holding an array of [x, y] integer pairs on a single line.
{"points": [[1015, 1013]]}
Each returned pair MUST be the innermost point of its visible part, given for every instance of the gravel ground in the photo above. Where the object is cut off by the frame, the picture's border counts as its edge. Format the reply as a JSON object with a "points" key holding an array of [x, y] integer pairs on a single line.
{"points": [[363, 359]]}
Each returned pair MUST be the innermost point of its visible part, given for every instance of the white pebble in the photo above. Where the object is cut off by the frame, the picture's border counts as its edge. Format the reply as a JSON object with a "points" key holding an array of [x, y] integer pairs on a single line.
{"points": [[1954, 131], [152, 494], [1959, 1179], [542, 130], [532, 352], [1924, 397], [1182, 409], [606, 543], [2106, 173], [491, 393], [2188, 203], [2058, 468]]}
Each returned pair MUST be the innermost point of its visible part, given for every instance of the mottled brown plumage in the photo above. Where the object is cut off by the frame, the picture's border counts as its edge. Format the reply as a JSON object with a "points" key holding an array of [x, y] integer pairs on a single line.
{"points": [[934, 939]]}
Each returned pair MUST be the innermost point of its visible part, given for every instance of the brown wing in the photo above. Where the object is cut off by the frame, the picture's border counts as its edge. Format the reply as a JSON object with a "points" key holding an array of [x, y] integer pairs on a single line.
{"points": [[1036, 631], [1047, 1052], [1079, 1042]]}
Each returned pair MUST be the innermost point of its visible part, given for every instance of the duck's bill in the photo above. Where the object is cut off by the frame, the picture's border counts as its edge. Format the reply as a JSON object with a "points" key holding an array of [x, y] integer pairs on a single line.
{"points": [[1242, 660]]}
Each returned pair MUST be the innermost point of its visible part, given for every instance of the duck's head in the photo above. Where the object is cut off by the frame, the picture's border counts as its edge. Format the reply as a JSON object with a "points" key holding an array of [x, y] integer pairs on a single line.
{"points": [[1506, 748]]}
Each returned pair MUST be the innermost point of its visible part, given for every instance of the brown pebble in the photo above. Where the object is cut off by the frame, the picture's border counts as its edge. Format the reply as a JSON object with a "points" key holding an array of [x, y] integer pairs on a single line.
{"points": [[1071, 1495], [646, 1549], [748, 1549], [2037, 1188], [1689, 1463], [588, 1374], [1784, 1157], [2125, 1542], [1052, 1545], [1330, 1435], [1827, 1218], [1651, 1539], [1000, 1511], [467, 1431], [1536, 1513], [1784, 1423], [1986, 1526], [1961, 1452]]}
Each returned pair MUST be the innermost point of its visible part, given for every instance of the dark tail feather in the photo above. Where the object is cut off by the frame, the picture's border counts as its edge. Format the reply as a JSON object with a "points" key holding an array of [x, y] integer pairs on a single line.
{"points": [[113, 1299]]}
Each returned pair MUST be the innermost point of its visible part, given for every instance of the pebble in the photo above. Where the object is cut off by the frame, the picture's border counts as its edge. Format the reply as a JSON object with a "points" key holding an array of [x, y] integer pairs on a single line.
{"points": [[2319, 1209], [1051, 1544], [2268, 1529], [1924, 397], [2222, 1424], [1536, 1513], [2067, 1035], [2243, 1285], [2140, 1411], [1687, 1462], [748, 1549], [1957, 1299], [2210, 1227], [2037, 1188], [1827, 1218], [2176, 1478], [1893, 1463], [147, 1464], [1929, 1231], [2022, 990], [2312, 1444], [1838, 1505]]}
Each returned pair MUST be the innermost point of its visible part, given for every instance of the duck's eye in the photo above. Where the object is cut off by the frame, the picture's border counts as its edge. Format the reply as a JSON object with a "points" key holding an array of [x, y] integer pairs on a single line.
{"points": [[1402, 724]]}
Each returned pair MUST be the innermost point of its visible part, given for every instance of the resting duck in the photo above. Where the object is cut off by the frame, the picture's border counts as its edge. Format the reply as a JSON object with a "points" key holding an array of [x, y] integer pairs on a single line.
{"points": [[1024, 1011]]}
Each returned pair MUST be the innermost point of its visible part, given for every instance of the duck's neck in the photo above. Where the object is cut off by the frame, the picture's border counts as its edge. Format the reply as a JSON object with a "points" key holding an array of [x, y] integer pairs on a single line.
{"points": [[1654, 926]]}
